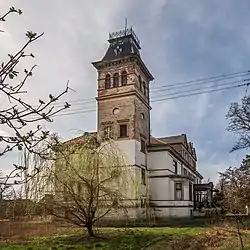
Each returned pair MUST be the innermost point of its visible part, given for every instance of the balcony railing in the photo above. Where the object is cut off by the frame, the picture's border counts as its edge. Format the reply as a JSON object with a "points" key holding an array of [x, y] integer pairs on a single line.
{"points": [[122, 33]]}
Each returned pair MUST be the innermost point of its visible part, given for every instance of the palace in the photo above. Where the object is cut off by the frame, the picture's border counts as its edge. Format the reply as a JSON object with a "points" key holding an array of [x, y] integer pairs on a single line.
{"points": [[167, 165], [170, 184]]}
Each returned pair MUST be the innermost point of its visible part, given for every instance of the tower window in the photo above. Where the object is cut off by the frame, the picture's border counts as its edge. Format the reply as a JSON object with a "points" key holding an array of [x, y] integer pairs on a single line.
{"points": [[144, 87], [140, 83], [116, 111], [107, 132], [107, 81], [124, 78], [116, 80], [123, 130]]}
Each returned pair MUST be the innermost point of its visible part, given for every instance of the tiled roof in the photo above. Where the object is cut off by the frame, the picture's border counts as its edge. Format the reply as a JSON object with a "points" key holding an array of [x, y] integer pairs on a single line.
{"points": [[80, 138], [121, 48], [154, 140], [173, 139]]}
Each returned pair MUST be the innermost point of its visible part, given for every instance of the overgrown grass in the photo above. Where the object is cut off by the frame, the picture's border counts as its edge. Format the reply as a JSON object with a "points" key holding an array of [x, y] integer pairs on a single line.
{"points": [[165, 238], [110, 238]]}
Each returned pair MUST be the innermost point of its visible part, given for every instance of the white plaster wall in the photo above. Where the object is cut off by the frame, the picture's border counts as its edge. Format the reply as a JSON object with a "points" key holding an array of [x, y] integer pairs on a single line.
{"points": [[128, 148], [162, 160], [173, 212], [161, 188], [131, 150]]}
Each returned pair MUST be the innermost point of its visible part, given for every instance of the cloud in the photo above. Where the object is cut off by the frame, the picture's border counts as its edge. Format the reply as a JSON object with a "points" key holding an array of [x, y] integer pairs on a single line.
{"points": [[181, 41]]}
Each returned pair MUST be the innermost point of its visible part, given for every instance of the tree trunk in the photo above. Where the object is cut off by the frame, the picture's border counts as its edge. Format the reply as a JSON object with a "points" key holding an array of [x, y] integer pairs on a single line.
{"points": [[89, 226], [239, 234]]}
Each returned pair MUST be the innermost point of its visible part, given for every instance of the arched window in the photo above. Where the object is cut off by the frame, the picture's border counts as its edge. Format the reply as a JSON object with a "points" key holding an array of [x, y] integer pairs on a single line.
{"points": [[116, 80], [144, 88], [124, 78], [107, 81], [140, 83]]}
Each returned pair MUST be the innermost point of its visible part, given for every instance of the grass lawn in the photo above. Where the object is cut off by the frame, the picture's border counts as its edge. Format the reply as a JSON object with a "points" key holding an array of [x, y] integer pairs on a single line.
{"points": [[190, 238]]}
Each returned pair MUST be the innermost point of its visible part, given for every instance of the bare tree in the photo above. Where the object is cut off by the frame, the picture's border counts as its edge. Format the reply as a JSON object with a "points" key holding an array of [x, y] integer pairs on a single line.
{"points": [[6, 191], [239, 122], [235, 193], [91, 181], [19, 118]]}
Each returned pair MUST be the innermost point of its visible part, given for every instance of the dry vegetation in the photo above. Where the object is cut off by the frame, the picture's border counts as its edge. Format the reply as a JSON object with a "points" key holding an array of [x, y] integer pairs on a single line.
{"points": [[23, 235]]}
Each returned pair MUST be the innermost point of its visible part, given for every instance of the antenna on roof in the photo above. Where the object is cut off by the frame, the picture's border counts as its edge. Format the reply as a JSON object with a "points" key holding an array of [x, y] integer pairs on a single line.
{"points": [[126, 22]]}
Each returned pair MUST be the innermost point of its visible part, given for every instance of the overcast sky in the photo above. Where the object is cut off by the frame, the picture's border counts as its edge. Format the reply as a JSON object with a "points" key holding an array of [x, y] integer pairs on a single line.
{"points": [[181, 41]]}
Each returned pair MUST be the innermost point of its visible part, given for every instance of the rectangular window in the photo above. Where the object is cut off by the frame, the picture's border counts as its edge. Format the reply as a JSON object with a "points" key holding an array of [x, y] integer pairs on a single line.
{"points": [[107, 132], [143, 176], [143, 146], [143, 202], [190, 191], [175, 166], [178, 191], [123, 130]]}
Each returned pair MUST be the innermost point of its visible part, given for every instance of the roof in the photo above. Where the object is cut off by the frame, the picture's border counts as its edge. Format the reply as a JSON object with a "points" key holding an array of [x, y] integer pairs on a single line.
{"points": [[170, 144], [122, 46], [80, 138], [175, 140]]}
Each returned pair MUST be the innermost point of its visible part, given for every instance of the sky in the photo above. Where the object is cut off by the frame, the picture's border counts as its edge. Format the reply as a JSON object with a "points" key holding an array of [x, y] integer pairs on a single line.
{"points": [[180, 40]]}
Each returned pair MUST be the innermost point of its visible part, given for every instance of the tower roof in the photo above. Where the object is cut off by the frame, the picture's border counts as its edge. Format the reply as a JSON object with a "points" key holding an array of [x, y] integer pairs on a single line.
{"points": [[122, 43]]}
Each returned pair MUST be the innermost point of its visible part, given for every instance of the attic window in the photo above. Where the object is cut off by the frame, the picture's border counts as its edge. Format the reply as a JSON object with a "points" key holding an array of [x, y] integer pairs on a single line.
{"points": [[124, 78], [107, 81], [116, 80]]}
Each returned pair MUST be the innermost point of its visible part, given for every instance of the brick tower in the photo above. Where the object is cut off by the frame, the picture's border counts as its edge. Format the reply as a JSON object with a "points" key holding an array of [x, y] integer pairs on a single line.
{"points": [[123, 107], [123, 90]]}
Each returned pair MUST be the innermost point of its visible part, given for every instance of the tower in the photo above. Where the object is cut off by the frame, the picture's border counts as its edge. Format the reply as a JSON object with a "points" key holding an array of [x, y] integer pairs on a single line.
{"points": [[123, 90], [124, 108]]}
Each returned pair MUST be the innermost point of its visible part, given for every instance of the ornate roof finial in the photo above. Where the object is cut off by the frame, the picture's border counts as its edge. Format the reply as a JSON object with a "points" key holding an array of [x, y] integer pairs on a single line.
{"points": [[126, 22]]}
